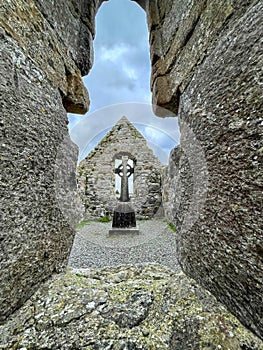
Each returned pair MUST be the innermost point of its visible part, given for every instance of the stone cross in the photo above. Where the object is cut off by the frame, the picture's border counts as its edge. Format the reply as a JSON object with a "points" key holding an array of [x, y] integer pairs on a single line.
{"points": [[124, 170]]}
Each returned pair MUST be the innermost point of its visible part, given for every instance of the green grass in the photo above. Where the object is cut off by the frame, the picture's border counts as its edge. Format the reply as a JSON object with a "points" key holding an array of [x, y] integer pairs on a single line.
{"points": [[172, 227], [104, 219], [87, 222], [82, 223], [79, 275]]}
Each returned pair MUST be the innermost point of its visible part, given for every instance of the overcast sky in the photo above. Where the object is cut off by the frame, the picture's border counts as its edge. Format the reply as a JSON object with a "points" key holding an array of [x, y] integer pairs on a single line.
{"points": [[119, 82]]}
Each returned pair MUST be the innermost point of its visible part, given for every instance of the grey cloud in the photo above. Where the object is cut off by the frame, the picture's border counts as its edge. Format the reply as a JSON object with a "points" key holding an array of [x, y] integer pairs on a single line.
{"points": [[122, 21], [121, 28], [109, 81]]}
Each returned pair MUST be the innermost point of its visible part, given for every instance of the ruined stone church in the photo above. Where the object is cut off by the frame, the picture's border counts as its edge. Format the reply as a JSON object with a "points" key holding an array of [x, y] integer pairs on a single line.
{"points": [[97, 180], [206, 60]]}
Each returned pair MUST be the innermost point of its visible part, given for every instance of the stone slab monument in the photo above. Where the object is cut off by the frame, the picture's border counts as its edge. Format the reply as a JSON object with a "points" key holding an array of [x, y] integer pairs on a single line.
{"points": [[124, 221]]}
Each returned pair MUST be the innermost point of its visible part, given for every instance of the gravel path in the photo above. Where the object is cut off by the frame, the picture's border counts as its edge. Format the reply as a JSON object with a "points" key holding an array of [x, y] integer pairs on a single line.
{"points": [[93, 247]]}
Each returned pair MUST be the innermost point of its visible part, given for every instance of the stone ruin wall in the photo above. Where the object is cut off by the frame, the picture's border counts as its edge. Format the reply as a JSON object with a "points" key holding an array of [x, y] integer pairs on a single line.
{"points": [[96, 177], [46, 47], [206, 64]]}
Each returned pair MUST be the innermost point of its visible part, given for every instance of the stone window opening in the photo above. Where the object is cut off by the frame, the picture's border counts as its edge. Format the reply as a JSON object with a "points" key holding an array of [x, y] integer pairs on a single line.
{"points": [[118, 178], [117, 160]]}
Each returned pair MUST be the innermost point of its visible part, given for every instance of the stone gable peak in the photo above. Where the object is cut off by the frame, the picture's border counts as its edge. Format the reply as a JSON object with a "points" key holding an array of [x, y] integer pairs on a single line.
{"points": [[124, 123], [123, 129], [123, 137]]}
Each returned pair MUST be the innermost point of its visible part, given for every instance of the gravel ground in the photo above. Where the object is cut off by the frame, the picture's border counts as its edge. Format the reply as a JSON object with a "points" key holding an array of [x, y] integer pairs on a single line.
{"points": [[93, 247]]}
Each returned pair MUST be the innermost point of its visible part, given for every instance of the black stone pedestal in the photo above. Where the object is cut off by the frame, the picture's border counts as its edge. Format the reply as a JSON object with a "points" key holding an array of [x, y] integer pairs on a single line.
{"points": [[124, 221]]}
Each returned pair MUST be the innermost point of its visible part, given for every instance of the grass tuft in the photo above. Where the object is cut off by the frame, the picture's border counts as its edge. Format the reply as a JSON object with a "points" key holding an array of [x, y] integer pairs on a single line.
{"points": [[172, 227], [82, 224], [105, 218]]}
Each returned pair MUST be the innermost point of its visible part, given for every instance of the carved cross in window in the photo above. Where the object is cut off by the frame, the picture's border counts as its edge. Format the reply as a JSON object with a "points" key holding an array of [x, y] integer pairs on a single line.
{"points": [[124, 170]]}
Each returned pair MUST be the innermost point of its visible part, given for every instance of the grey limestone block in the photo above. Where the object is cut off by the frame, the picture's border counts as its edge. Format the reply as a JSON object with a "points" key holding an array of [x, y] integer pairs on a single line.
{"points": [[213, 193], [37, 231]]}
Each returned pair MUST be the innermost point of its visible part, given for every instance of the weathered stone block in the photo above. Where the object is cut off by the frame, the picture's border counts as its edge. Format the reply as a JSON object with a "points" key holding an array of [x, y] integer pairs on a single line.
{"points": [[221, 112], [35, 236], [39, 65]]}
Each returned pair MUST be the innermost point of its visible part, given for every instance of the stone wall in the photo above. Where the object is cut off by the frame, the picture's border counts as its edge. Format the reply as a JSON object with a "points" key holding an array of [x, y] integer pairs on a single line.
{"points": [[169, 196], [207, 64], [44, 51], [96, 176]]}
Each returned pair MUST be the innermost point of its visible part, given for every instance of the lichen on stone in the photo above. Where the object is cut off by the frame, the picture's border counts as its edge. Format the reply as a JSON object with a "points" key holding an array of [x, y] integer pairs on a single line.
{"points": [[125, 307]]}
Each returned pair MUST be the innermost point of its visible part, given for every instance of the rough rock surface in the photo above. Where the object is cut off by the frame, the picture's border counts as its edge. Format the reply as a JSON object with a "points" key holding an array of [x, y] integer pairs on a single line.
{"points": [[181, 35], [127, 307], [96, 173], [40, 69], [208, 56]]}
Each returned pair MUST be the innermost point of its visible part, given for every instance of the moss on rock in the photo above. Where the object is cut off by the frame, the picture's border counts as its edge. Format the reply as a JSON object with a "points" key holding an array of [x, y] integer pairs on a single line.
{"points": [[140, 307]]}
